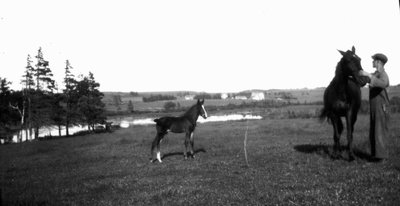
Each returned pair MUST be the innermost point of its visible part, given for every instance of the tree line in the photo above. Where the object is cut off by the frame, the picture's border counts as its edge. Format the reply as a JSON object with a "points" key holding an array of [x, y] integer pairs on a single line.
{"points": [[154, 98], [39, 103]]}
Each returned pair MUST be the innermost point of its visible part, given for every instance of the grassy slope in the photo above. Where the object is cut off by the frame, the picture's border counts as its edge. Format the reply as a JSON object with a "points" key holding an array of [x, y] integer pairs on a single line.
{"points": [[289, 164]]}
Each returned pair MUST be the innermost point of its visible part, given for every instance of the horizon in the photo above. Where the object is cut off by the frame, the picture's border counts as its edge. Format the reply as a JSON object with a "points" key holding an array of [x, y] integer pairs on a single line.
{"points": [[209, 46]]}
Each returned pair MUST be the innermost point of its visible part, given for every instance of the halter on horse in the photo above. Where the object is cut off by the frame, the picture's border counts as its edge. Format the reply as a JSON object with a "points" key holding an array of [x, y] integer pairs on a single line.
{"points": [[342, 98], [185, 123]]}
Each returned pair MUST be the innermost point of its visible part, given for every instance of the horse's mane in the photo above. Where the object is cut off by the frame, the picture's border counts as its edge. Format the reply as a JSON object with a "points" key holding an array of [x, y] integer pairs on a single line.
{"points": [[338, 82], [190, 110], [339, 69]]}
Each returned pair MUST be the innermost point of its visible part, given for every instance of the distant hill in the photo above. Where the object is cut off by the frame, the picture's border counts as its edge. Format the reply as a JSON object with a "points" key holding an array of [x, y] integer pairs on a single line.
{"points": [[303, 95]]}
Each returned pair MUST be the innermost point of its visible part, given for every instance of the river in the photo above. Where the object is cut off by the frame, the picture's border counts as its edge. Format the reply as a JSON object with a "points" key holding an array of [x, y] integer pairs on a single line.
{"points": [[126, 122]]}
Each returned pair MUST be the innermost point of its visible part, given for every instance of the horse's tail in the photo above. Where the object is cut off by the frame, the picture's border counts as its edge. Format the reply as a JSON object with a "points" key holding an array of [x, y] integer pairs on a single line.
{"points": [[323, 115]]}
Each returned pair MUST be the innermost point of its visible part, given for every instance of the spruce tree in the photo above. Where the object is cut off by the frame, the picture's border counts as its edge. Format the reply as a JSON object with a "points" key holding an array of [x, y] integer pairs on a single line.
{"points": [[28, 85], [70, 97], [43, 74], [43, 97], [90, 102], [4, 108]]}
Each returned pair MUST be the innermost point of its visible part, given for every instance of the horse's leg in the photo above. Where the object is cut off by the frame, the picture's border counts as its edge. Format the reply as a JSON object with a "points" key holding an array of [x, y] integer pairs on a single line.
{"points": [[153, 145], [156, 143], [187, 136], [192, 144], [158, 149], [350, 120], [337, 131]]}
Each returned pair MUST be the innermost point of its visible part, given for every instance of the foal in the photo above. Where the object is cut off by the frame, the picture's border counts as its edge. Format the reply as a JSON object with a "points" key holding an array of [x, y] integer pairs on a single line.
{"points": [[185, 123]]}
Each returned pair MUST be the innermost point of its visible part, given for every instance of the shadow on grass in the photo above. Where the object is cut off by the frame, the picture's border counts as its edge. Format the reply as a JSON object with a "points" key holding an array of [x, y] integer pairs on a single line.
{"points": [[181, 153], [326, 151]]}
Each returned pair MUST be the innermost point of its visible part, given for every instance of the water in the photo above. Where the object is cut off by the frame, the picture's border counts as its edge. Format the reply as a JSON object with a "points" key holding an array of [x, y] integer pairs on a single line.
{"points": [[51, 131], [126, 122]]}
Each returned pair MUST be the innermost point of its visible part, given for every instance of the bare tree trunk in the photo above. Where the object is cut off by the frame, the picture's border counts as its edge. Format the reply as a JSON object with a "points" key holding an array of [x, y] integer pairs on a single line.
{"points": [[36, 132], [67, 127], [26, 133], [22, 115], [29, 118], [59, 130]]}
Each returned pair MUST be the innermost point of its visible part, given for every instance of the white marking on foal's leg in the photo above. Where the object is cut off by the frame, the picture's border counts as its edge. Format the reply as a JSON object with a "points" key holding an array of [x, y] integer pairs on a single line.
{"points": [[159, 156], [191, 145], [205, 112]]}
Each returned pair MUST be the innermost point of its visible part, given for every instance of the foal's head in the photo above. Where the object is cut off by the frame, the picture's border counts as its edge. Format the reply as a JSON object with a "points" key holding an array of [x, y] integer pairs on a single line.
{"points": [[350, 66], [200, 108]]}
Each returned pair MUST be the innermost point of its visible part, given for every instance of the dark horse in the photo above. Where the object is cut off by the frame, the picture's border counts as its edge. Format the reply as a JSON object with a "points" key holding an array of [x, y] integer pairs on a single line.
{"points": [[185, 123], [342, 98]]}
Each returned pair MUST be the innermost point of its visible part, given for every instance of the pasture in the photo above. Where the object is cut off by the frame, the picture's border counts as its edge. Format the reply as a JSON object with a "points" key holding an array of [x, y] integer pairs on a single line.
{"points": [[289, 164]]}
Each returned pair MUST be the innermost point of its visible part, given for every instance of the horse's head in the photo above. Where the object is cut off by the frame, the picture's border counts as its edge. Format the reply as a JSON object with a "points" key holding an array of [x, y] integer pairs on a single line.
{"points": [[350, 66], [200, 108]]}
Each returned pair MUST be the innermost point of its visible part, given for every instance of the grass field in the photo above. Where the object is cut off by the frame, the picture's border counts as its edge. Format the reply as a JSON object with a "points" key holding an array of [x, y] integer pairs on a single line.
{"points": [[289, 164]]}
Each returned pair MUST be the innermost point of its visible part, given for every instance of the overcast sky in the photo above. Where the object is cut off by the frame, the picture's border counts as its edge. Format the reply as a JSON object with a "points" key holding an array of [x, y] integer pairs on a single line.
{"points": [[212, 46]]}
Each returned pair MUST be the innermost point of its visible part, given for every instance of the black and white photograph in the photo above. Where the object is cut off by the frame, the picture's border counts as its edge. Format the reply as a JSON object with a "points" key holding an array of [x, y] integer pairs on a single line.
{"points": [[181, 102]]}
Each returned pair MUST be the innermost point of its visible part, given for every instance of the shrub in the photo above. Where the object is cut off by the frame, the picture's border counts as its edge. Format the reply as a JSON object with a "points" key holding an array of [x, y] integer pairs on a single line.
{"points": [[169, 106]]}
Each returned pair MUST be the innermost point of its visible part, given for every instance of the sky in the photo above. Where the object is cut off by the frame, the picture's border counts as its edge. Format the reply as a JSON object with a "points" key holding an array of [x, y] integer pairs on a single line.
{"points": [[204, 46]]}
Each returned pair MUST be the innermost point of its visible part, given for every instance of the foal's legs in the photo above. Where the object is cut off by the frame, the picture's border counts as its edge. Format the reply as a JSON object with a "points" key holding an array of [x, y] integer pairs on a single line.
{"points": [[187, 136], [189, 140], [191, 145], [156, 143]]}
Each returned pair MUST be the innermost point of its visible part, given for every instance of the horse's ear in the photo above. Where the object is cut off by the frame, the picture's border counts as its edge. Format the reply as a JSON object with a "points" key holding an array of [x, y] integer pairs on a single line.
{"points": [[202, 102], [341, 52], [198, 101], [353, 49]]}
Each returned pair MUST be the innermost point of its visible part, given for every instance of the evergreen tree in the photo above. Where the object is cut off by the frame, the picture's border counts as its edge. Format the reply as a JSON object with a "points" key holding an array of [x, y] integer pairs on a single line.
{"points": [[28, 85], [28, 81], [58, 112], [43, 98], [70, 97], [43, 74], [90, 102], [4, 108], [9, 119]]}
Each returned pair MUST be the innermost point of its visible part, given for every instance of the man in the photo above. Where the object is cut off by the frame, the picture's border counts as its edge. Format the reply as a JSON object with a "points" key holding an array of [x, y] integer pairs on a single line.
{"points": [[379, 102]]}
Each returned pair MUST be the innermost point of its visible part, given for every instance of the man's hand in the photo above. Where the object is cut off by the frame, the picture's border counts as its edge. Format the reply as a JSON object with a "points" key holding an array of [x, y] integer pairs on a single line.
{"points": [[364, 73]]}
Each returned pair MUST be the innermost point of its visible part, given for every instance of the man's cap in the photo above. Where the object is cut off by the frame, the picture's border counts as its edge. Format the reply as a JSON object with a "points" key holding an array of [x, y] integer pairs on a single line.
{"points": [[380, 57]]}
